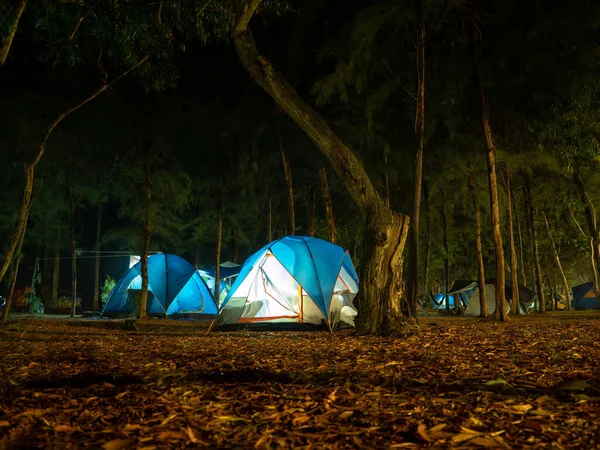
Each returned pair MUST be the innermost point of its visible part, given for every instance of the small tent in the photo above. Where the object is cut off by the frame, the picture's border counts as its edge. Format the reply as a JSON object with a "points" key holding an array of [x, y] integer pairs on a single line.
{"points": [[584, 297], [174, 288], [227, 274], [468, 295], [295, 282]]}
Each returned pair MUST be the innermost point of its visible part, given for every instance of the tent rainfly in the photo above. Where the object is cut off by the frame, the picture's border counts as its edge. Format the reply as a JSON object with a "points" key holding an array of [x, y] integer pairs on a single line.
{"points": [[584, 297], [295, 282], [174, 287]]}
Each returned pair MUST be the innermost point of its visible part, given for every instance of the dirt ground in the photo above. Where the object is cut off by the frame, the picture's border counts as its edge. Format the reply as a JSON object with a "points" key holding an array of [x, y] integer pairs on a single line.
{"points": [[458, 383]]}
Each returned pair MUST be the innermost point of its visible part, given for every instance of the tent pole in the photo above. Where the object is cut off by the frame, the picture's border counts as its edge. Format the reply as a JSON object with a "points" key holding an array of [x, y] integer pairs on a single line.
{"points": [[300, 304]]}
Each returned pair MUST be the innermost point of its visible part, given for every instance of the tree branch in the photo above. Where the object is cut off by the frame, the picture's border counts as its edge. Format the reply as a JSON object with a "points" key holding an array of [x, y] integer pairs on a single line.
{"points": [[81, 19], [159, 22], [244, 16]]}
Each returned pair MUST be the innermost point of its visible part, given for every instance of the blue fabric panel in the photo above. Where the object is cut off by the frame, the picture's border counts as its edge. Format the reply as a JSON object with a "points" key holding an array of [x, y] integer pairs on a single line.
{"points": [[347, 263], [119, 300], [193, 297], [225, 272], [580, 291]]}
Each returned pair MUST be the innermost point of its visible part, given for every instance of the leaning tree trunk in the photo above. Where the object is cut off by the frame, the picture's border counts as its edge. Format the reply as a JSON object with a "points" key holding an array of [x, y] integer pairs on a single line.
{"points": [[558, 263], [534, 246], [96, 304], [7, 40], [385, 230], [29, 167], [592, 259], [147, 232], [478, 246], [328, 205], [515, 307], [500, 313], [413, 234], [73, 246], [523, 272], [590, 216]]}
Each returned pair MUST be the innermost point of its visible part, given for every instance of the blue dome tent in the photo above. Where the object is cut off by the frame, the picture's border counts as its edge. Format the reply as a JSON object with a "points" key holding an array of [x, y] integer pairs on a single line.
{"points": [[227, 273], [584, 297], [174, 288], [293, 282]]}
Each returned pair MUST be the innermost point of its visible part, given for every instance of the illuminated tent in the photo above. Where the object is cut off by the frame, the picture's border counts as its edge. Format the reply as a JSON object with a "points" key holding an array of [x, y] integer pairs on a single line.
{"points": [[584, 297], [227, 273], [174, 288], [295, 282]]}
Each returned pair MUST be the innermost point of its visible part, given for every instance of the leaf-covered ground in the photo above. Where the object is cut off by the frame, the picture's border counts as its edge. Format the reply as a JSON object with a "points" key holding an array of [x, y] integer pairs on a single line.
{"points": [[459, 383]]}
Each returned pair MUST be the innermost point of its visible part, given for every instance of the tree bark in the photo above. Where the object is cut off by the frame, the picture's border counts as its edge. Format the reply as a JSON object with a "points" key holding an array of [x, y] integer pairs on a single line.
{"points": [[592, 260], [289, 189], [385, 230], [7, 40], [55, 279], [73, 246], [558, 263], [515, 309], [500, 313], [523, 272], [445, 224], [478, 246], [29, 167], [312, 211], [589, 215], [534, 244], [328, 205], [96, 304], [413, 234], [13, 281], [147, 231]]}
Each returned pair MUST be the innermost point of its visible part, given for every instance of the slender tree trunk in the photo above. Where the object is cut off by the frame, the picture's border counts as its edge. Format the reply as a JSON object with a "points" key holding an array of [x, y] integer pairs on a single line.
{"points": [[7, 39], [515, 309], [478, 246], [328, 205], [590, 217], [445, 224], [289, 189], [29, 167], [592, 259], [45, 288], [73, 246], [312, 210], [558, 263], [413, 234], [523, 273], [147, 231], [385, 231], [427, 259], [500, 313], [55, 278], [270, 220], [552, 286], [219, 242], [13, 281], [534, 243], [96, 304]]}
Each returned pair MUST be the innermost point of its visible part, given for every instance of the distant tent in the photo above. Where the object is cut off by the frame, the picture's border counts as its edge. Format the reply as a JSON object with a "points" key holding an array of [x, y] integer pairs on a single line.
{"points": [[174, 288], [584, 297], [467, 293], [227, 273], [293, 282]]}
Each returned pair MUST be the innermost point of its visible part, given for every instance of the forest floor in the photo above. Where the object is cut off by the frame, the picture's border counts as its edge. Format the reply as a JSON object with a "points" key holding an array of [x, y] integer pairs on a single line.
{"points": [[458, 383]]}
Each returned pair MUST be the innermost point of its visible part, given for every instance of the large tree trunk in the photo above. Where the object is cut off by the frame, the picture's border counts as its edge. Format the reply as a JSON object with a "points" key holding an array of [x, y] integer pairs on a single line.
{"points": [[55, 279], [73, 246], [515, 309], [328, 205], [534, 246], [96, 304], [29, 167], [558, 263], [413, 234], [385, 231], [478, 246], [500, 313], [289, 189], [147, 232], [7, 40]]}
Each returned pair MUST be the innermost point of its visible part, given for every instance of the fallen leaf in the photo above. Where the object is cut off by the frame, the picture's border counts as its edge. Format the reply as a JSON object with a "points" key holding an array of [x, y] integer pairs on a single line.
{"points": [[421, 430], [118, 444], [64, 429], [498, 381]]}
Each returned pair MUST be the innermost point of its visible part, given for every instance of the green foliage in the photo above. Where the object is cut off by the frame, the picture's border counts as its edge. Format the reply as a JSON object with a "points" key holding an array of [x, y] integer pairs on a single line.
{"points": [[107, 287]]}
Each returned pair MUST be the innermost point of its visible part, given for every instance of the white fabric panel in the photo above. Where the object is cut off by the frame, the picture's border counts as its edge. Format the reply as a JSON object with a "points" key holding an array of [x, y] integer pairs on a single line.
{"points": [[347, 280], [474, 308]]}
